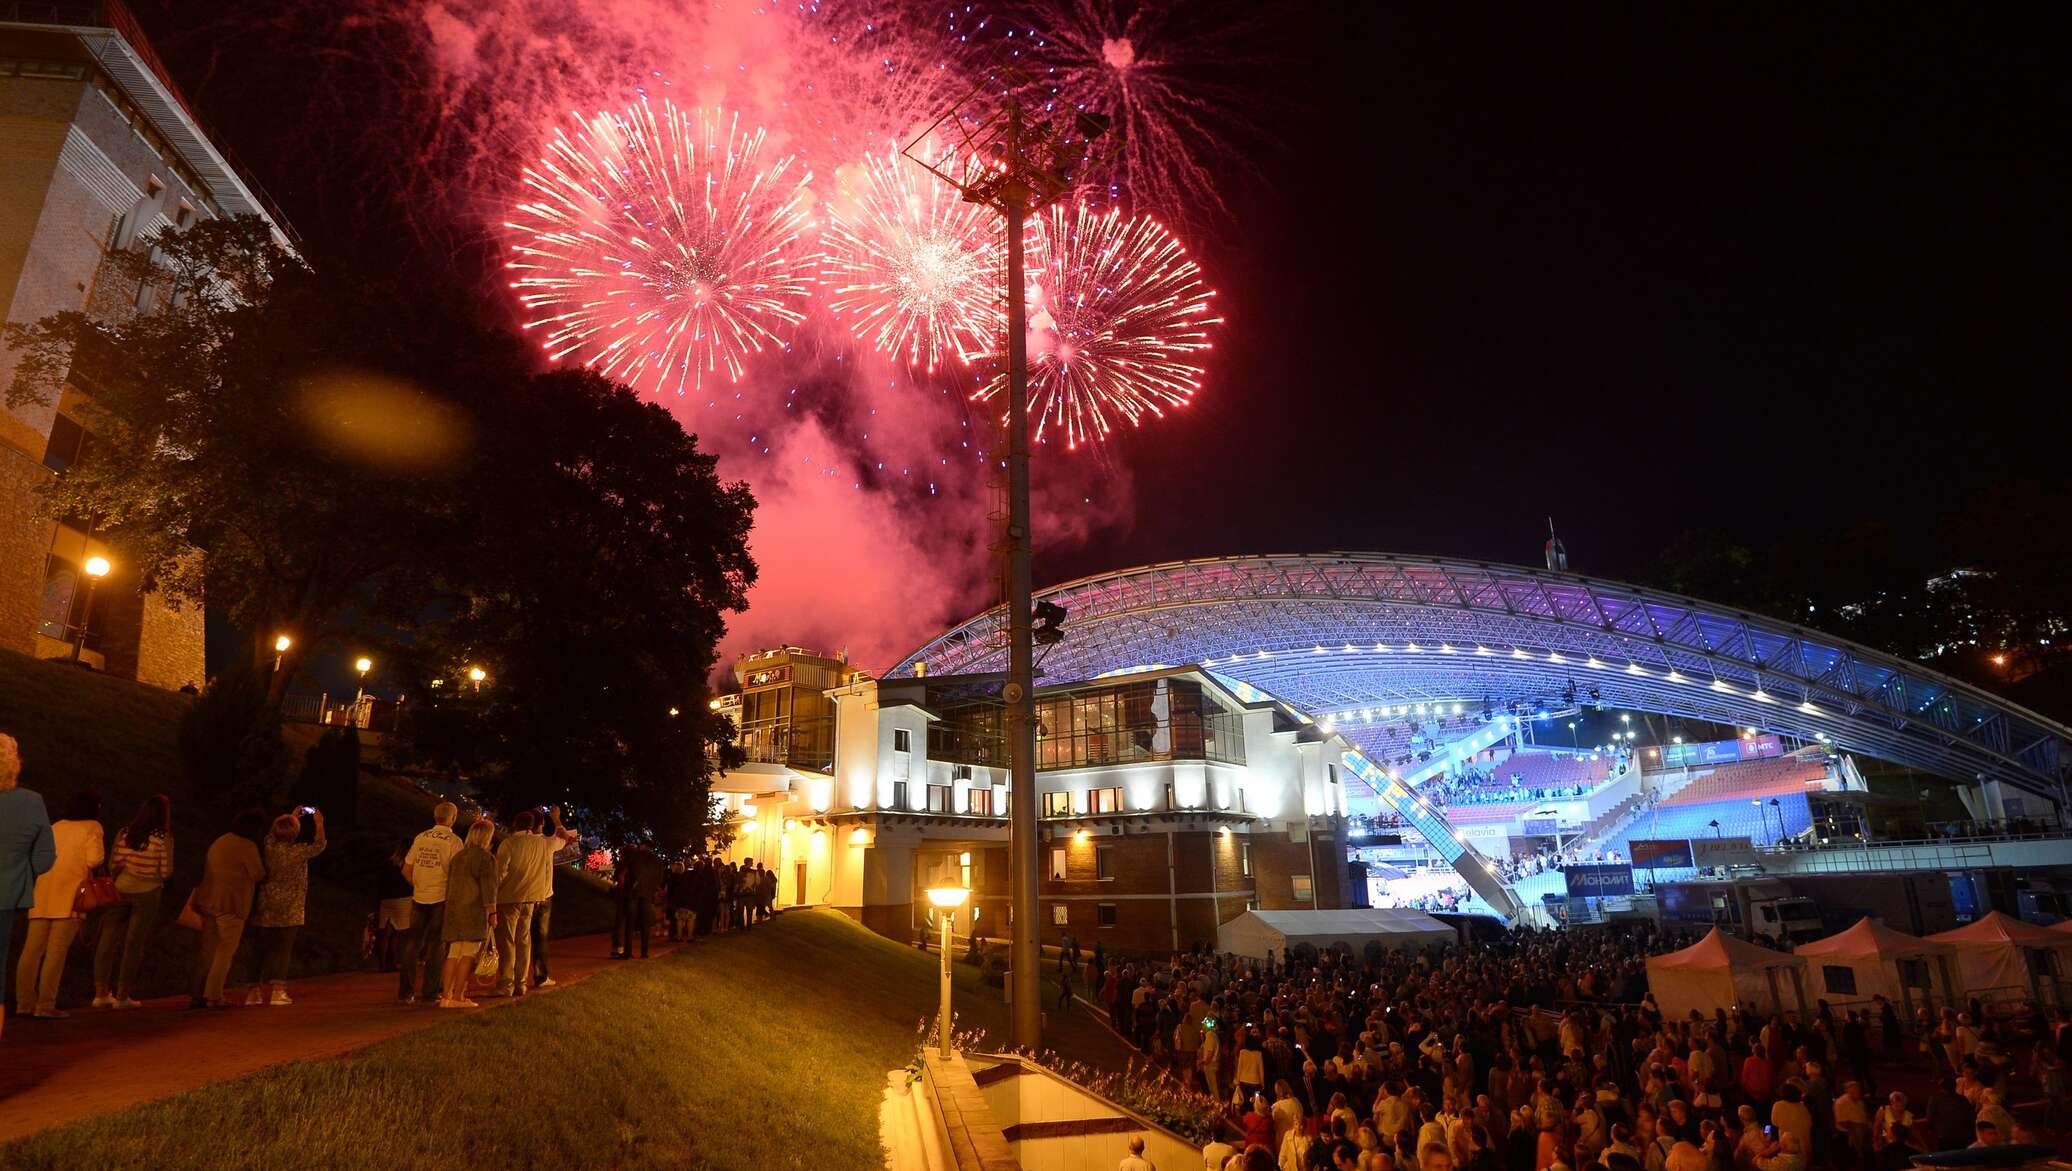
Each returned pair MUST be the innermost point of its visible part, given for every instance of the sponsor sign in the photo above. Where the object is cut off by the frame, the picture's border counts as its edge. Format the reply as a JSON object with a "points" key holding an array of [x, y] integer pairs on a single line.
{"points": [[1708, 852], [1722, 751], [1541, 826], [1664, 852], [1598, 880]]}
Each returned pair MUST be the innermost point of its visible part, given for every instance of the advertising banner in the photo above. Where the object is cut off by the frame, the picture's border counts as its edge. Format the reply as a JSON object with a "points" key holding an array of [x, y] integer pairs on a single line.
{"points": [[1663, 852], [1598, 880], [1707, 852], [1722, 751]]}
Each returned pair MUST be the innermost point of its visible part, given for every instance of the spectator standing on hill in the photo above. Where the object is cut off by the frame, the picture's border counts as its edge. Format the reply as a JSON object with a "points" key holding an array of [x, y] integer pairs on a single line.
{"points": [[391, 909], [638, 877], [230, 874], [27, 846], [141, 862], [471, 911], [53, 923], [277, 914], [424, 951], [525, 879], [543, 915]]}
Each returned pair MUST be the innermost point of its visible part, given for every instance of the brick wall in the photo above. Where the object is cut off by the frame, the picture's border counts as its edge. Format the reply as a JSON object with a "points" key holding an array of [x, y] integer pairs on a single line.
{"points": [[24, 545]]}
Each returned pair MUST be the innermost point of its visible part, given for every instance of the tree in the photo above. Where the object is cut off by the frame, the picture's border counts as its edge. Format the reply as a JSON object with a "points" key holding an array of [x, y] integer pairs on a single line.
{"points": [[351, 458], [589, 579], [271, 418], [230, 743], [330, 777]]}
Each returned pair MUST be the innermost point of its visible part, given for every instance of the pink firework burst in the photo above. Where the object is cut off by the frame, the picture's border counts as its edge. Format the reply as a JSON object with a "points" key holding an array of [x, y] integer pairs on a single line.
{"points": [[911, 267], [661, 248], [1119, 323]]}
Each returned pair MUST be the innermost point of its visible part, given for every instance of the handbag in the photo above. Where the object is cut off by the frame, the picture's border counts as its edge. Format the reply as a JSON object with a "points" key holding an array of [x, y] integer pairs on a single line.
{"points": [[486, 960], [189, 917], [96, 893]]}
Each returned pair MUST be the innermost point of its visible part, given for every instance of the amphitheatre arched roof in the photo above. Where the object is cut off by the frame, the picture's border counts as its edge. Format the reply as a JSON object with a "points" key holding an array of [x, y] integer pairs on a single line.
{"points": [[1344, 633]]}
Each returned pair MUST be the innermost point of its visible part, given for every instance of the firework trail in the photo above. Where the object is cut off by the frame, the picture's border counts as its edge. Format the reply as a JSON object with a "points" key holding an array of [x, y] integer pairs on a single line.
{"points": [[1180, 78], [1118, 323], [911, 267], [661, 249]]}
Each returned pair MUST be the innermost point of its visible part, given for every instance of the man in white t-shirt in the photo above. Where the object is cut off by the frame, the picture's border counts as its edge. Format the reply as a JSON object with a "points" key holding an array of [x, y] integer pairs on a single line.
{"points": [[424, 867], [525, 879]]}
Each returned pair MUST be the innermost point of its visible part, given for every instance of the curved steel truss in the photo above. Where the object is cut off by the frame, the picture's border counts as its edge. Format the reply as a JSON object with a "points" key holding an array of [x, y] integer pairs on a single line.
{"points": [[1340, 634]]}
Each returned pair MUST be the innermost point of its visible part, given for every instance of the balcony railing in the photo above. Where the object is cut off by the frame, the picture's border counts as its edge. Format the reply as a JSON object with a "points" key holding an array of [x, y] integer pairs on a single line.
{"points": [[808, 744]]}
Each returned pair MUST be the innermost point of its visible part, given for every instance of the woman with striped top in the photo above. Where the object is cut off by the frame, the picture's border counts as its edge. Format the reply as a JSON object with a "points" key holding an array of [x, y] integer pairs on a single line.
{"points": [[141, 862]]}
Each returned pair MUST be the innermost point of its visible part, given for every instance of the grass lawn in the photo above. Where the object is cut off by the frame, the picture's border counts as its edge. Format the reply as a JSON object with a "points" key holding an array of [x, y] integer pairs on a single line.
{"points": [[767, 1050], [84, 730]]}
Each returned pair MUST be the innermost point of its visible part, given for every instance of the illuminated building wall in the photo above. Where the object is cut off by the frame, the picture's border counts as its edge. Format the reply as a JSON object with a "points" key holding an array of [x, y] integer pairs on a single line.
{"points": [[97, 151], [1168, 805]]}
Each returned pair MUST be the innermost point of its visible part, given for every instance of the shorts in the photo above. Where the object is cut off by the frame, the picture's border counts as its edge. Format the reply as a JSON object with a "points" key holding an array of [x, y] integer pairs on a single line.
{"points": [[463, 947], [394, 914]]}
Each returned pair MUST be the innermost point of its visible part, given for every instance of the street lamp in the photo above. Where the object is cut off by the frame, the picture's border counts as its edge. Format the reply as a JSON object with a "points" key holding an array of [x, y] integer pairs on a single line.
{"points": [[476, 675], [946, 900], [281, 643], [363, 664], [999, 157], [96, 569]]}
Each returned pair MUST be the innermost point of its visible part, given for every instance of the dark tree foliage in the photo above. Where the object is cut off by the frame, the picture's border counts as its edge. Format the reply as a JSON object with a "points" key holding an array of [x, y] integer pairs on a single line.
{"points": [[330, 776], [587, 577], [286, 424], [356, 459], [230, 742], [1977, 587]]}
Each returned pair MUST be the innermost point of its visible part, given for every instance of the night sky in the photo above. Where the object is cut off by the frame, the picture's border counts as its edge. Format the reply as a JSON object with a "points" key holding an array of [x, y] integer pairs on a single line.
{"points": [[1645, 269], [1768, 271]]}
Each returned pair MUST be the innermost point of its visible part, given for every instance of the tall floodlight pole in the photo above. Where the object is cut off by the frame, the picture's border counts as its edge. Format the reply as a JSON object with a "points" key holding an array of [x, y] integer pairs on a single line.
{"points": [[987, 148]]}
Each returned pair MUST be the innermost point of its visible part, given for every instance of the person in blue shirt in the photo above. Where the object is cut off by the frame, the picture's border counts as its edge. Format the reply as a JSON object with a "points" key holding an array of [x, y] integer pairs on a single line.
{"points": [[27, 848]]}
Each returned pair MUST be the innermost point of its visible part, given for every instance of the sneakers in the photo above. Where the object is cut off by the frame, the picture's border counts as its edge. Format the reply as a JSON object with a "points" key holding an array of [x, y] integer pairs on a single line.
{"points": [[279, 999], [55, 1014], [126, 1002], [256, 996], [104, 1001], [543, 982]]}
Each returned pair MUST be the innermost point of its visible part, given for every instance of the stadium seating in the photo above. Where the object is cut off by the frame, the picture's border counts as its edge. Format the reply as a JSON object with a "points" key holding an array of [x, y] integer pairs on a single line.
{"points": [[1763, 779], [1740, 816], [1535, 770]]}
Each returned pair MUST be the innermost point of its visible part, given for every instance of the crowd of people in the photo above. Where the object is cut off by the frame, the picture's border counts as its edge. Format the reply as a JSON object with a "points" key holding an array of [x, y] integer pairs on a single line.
{"points": [[70, 876], [1544, 1051], [457, 913]]}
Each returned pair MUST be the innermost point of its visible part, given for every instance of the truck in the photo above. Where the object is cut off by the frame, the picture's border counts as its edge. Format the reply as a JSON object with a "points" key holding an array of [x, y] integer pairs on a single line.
{"points": [[1756, 909]]}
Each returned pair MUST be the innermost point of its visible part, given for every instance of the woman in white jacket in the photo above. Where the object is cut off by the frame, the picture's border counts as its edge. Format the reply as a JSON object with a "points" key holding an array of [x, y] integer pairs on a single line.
{"points": [[82, 845]]}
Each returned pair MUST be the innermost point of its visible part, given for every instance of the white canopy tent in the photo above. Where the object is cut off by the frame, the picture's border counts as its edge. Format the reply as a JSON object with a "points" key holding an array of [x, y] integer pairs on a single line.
{"points": [[1720, 971], [1255, 932], [2000, 957], [1871, 959]]}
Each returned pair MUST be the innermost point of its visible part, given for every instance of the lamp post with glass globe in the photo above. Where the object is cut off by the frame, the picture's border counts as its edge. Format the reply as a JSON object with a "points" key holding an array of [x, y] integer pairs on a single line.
{"points": [[96, 568], [946, 900]]}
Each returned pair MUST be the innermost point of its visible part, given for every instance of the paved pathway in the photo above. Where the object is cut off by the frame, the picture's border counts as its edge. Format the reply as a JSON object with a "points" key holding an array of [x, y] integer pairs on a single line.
{"points": [[56, 1072]]}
